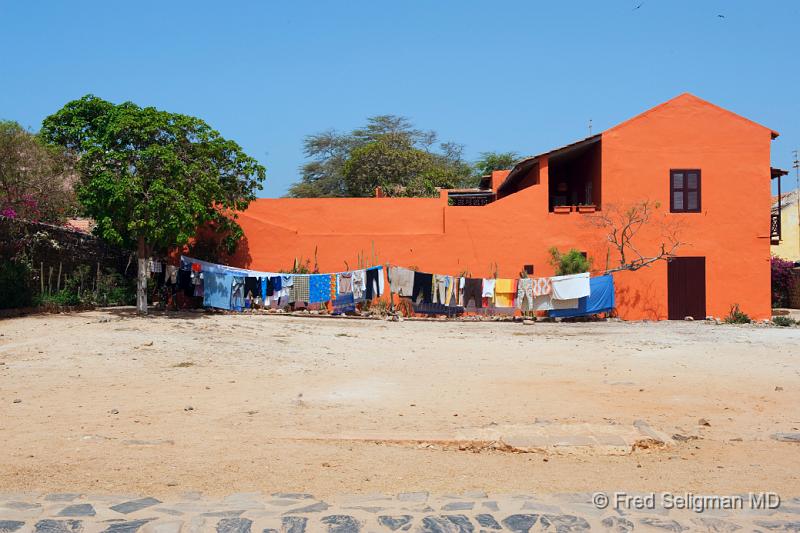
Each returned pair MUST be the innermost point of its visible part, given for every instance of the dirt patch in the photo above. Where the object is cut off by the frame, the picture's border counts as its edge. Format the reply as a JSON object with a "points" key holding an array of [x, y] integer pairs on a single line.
{"points": [[101, 412]]}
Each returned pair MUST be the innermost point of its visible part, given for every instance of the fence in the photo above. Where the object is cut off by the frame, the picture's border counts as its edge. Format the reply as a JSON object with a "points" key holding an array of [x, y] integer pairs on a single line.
{"points": [[40, 259]]}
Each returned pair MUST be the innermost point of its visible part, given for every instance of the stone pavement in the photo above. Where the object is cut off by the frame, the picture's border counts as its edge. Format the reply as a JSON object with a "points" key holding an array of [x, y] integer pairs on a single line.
{"points": [[414, 512]]}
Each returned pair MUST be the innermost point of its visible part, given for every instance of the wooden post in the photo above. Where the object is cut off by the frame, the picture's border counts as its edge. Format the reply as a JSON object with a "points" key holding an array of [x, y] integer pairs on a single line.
{"points": [[50, 280], [41, 277], [58, 282]]}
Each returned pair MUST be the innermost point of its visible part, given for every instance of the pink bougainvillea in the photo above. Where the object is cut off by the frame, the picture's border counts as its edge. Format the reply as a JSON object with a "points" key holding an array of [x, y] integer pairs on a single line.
{"points": [[782, 281]]}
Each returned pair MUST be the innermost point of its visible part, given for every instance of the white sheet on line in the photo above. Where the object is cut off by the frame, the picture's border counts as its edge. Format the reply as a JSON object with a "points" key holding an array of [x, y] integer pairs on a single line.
{"points": [[570, 287]]}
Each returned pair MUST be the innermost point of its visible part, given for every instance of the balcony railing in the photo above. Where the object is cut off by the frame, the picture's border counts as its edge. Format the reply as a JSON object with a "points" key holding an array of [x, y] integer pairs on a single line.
{"points": [[775, 228]]}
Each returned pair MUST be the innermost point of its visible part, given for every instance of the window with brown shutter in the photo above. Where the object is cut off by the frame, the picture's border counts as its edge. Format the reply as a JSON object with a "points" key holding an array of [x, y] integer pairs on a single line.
{"points": [[684, 190]]}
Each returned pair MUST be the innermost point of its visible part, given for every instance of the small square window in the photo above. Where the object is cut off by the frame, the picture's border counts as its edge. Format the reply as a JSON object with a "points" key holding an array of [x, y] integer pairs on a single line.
{"points": [[684, 191]]}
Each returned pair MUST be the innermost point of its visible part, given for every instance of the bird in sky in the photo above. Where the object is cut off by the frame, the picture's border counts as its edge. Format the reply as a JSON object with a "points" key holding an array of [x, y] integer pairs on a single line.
{"points": [[637, 7], [721, 16]]}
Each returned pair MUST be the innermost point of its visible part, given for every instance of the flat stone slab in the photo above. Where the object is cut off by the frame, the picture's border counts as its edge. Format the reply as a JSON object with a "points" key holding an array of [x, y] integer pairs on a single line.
{"points": [[62, 497], [134, 505], [10, 526], [131, 526], [458, 506], [234, 525], [81, 509], [58, 526], [313, 508]]}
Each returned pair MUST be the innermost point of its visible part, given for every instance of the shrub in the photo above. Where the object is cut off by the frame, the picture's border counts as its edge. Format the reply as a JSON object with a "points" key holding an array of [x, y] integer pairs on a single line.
{"points": [[572, 262], [737, 316], [109, 289], [783, 321], [782, 281], [15, 284], [113, 289]]}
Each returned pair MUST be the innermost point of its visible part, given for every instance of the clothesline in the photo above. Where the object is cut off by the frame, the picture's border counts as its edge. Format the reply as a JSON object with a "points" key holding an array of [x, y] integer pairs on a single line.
{"points": [[260, 273], [237, 288]]}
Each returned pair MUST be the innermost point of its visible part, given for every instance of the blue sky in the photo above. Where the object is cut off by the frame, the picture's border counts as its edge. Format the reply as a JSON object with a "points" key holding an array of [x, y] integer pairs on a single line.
{"points": [[502, 75]]}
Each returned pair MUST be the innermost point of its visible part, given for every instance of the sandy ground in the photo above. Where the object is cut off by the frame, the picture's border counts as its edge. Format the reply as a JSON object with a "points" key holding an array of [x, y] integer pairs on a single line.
{"points": [[99, 402]]}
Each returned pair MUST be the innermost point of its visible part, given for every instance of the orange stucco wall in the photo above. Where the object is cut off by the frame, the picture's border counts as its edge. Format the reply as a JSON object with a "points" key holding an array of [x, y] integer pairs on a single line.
{"points": [[732, 231]]}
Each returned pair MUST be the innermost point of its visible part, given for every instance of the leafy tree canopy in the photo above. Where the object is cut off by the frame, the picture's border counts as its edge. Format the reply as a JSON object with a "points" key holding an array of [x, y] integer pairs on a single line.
{"points": [[151, 178], [490, 161], [388, 152], [36, 180]]}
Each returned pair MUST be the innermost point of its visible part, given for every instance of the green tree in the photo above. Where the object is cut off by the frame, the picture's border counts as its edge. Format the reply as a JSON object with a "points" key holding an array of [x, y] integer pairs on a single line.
{"points": [[572, 262], [389, 152], [36, 180], [151, 178], [490, 161]]}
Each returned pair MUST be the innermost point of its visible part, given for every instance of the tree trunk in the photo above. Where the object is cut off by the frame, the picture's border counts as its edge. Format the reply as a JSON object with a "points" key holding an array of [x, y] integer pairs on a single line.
{"points": [[141, 278]]}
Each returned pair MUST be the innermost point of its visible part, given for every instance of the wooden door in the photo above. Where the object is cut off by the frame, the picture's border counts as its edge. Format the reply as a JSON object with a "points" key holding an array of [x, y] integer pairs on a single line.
{"points": [[686, 288]]}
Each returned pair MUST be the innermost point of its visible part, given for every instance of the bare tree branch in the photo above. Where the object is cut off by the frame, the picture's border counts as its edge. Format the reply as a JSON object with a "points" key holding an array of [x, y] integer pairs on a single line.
{"points": [[622, 226]]}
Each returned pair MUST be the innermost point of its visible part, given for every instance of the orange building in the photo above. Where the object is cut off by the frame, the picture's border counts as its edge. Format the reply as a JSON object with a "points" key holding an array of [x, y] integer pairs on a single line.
{"points": [[706, 168]]}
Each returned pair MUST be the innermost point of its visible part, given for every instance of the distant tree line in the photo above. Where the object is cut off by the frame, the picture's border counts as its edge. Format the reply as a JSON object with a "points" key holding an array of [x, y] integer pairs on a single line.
{"points": [[390, 153]]}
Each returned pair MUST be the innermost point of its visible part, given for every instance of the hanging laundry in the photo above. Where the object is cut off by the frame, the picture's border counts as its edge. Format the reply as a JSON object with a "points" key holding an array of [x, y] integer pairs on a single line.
{"points": [[423, 288], [171, 274], [402, 281], [488, 288], [542, 303], [504, 291], [237, 293], [283, 289], [572, 303], [344, 303], [217, 290], [570, 287], [374, 283], [319, 287], [300, 289], [334, 288], [252, 286], [525, 294], [473, 287], [198, 290], [455, 292], [442, 287], [359, 284], [601, 299], [344, 281], [541, 286]]}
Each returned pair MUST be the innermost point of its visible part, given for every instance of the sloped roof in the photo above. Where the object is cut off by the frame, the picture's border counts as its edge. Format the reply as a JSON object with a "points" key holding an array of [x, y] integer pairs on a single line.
{"points": [[691, 97], [787, 199], [522, 166]]}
